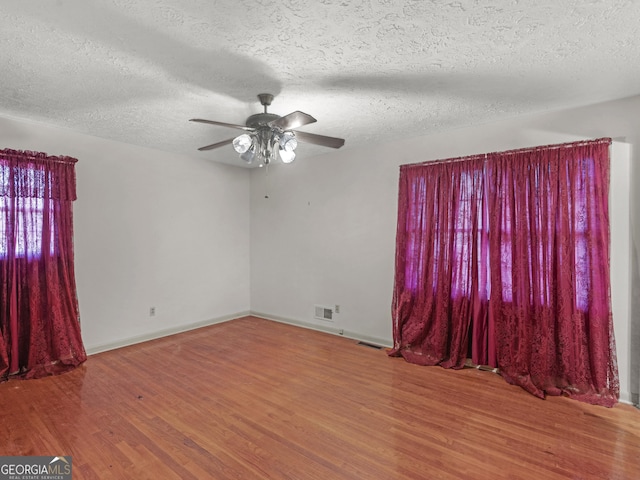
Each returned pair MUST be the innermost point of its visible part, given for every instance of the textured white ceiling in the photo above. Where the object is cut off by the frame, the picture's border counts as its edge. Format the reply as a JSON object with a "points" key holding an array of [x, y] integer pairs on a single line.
{"points": [[369, 70]]}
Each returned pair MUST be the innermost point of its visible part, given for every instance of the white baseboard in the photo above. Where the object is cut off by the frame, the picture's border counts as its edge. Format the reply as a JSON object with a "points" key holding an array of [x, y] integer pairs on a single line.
{"points": [[625, 398], [125, 342], [326, 329]]}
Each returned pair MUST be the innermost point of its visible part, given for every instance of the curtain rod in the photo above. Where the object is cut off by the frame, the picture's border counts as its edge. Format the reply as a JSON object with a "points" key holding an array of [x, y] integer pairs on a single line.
{"points": [[36, 156], [557, 146]]}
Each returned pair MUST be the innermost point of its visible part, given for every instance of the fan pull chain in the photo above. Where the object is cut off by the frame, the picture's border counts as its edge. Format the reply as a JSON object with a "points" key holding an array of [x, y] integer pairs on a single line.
{"points": [[266, 182]]}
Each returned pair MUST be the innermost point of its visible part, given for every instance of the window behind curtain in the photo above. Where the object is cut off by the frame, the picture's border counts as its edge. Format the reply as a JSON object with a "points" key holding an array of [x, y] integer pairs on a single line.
{"points": [[471, 220]]}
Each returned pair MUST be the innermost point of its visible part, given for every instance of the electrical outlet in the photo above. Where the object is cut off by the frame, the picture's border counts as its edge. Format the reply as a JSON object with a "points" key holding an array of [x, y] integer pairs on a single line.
{"points": [[337, 309], [341, 332], [152, 311]]}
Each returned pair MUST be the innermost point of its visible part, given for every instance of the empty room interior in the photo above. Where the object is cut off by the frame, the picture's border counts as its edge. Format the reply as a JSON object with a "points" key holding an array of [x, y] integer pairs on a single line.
{"points": [[320, 240]]}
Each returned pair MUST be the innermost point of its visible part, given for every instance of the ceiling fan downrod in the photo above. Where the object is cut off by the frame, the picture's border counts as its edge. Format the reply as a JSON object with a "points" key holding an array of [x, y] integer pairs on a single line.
{"points": [[265, 100]]}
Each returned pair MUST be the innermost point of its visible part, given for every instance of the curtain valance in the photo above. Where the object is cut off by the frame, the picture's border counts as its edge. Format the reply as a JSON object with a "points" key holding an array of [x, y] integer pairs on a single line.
{"points": [[25, 174]]}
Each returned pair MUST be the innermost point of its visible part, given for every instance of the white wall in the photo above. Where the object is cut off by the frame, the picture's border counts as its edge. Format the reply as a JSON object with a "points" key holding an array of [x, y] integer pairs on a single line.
{"points": [[619, 218], [151, 229], [326, 233], [634, 266]]}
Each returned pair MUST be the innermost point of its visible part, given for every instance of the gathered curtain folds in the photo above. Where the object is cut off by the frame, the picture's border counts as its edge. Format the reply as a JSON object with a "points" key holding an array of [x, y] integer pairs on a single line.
{"points": [[504, 258], [39, 313]]}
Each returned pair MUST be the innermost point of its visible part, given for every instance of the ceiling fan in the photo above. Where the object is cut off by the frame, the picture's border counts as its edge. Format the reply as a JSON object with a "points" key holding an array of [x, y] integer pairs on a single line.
{"points": [[269, 136]]}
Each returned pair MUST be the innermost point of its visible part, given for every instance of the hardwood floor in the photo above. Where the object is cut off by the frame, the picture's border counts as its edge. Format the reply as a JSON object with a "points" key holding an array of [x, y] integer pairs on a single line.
{"points": [[255, 399]]}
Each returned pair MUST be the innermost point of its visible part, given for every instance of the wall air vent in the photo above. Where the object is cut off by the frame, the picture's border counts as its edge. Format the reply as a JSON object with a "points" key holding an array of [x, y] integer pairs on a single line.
{"points": [[323, 313]]}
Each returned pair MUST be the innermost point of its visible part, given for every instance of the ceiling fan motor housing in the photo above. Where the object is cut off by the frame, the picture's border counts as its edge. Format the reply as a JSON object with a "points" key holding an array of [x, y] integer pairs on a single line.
{"points": [[261, 119]]}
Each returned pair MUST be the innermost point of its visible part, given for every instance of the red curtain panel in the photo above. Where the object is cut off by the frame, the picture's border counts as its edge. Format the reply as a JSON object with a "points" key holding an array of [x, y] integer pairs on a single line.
{"points": [[504, 258], [39, 314]]}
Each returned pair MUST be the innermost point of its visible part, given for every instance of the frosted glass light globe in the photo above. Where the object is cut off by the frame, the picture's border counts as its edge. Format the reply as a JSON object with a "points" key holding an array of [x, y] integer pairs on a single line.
{"points": [[242, 143]]}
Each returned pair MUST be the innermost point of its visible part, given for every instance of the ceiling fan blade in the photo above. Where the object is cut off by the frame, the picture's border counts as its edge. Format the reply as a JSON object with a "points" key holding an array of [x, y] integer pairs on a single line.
{"points": [[216, 145], [293, 120], [323, 140], [222, 124]]}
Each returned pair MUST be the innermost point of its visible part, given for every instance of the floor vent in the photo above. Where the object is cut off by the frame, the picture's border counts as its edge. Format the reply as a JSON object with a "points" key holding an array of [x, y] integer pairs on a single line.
{"points": [[486, 368], [370, 345], [323, 313]]}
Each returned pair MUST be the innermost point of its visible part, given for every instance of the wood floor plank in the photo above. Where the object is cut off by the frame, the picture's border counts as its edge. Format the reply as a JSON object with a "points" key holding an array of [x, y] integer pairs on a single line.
{"points": [[256, 399]]}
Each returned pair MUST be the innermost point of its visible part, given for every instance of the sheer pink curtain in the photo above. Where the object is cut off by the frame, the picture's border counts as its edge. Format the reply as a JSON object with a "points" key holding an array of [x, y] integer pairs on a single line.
{"points": [[437, 262], [39, 315], [504, 258]]}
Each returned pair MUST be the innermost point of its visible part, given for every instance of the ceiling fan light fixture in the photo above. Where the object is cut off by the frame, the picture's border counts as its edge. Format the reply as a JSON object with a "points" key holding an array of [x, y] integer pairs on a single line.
{"points": [[288, 141], [249, 155], [242, 143], [287, 156]]}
